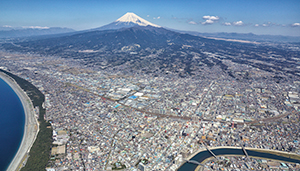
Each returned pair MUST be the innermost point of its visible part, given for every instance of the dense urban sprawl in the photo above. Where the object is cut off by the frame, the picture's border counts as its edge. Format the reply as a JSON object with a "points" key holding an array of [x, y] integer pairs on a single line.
{"points": [[105, 120]]}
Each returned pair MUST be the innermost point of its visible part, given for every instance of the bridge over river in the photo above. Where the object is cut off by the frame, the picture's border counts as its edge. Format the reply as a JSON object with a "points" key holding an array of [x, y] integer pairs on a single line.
{"points": [[202, 155]]}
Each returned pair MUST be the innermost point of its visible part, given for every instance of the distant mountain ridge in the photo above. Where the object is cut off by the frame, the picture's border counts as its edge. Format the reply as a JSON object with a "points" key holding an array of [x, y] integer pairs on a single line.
{"points": [[27, 32], [245, 36]]}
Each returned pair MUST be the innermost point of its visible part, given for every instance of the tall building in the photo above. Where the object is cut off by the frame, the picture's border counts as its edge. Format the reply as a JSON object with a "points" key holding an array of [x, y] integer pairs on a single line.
{"points": [[141, 167]]}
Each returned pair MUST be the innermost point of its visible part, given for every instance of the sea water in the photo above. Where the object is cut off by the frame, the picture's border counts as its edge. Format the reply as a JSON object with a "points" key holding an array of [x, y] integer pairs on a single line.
{"points": [[12, 120]]}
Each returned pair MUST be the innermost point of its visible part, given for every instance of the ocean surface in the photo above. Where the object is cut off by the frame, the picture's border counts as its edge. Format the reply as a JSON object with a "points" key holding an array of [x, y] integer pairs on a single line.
{"points": [[12, 120]]}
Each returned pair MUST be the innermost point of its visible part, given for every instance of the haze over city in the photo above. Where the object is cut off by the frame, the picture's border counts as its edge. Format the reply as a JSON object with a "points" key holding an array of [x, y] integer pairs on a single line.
{"points": [[272, 17]]}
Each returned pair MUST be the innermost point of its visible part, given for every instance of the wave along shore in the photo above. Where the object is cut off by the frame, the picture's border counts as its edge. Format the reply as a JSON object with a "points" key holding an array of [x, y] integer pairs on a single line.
{"points": [[31, 127]]}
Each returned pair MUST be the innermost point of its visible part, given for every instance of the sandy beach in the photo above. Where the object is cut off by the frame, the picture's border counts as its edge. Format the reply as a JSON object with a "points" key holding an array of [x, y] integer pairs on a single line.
{"points": [[31, 124]]}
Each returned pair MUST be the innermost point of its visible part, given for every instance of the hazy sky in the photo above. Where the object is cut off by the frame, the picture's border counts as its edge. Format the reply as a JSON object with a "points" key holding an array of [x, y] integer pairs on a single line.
{"points": [[276, 17]]}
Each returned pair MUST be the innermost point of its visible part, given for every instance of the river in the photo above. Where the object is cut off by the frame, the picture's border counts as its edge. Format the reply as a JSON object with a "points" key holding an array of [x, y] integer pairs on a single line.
{"points": [[201, 156]]}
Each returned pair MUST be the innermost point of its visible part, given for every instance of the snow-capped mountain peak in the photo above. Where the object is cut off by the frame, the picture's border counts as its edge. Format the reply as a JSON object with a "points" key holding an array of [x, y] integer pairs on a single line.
{"points": [[130, 17], [126, 21]]}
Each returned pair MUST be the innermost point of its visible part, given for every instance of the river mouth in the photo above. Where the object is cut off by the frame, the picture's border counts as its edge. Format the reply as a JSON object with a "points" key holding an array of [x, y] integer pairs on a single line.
{"points": [[205, 155]]}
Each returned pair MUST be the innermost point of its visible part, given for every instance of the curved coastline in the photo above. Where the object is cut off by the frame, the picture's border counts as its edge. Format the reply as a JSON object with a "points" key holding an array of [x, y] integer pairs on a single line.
{"points": [[31, 127]]}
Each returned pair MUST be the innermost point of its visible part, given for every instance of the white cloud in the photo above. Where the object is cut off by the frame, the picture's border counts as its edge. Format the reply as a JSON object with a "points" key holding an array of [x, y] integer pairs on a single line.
{"points": [[213, 18], [227, 24], [192, 22], [6, 26], [296, 24], [210, 19], [35, 27], [268, 24], [148, 15], [238, 23], [156, 18], [208, 22]]}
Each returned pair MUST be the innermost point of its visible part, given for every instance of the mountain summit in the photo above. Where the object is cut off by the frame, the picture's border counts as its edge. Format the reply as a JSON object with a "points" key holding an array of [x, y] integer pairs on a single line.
{"points": [[130, 17], [128, 20]]}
